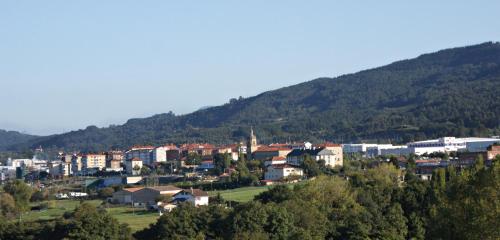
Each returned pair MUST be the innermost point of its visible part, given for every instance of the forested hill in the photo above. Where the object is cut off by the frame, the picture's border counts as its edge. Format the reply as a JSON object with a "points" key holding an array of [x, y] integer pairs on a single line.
{"points": [[451, 92], [8, 138]]}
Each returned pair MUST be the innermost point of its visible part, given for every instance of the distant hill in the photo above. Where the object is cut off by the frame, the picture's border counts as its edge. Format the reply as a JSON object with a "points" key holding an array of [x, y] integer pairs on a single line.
{"points": [[450, 92], [8, 138]]}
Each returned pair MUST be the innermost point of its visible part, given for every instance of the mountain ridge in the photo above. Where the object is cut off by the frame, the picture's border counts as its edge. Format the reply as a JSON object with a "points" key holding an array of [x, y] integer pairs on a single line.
{"points": [[448, 92], [8, 138]]}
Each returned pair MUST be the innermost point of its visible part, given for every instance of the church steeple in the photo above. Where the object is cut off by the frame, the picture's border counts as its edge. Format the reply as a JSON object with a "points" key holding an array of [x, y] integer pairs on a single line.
{"points": [[251, 144]]}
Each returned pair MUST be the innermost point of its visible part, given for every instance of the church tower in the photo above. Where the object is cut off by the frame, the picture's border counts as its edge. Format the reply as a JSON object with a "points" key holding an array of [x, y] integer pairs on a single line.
{"points": [[251, 144]]}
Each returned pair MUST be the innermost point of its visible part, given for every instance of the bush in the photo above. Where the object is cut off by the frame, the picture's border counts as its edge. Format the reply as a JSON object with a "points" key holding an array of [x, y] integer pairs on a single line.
{"points": [[106, 192]]}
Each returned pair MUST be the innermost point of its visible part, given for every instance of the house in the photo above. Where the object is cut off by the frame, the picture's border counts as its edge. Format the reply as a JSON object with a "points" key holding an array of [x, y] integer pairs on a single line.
{"points": [[331, 157], [275, 160], [268, 152], [200, 149], [492, 152], [133, 166], [282, 172], [337, 156], [197, 197], [297, 156], [143, 196]]}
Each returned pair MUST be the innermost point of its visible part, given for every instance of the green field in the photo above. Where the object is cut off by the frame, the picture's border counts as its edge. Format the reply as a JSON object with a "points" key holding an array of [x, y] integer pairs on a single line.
{"points": [[136, 218], [243, 194], [59, 208]]}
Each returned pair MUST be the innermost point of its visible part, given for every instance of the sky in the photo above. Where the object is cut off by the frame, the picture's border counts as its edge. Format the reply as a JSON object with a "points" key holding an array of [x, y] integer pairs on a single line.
{"points": [[65, 65]]}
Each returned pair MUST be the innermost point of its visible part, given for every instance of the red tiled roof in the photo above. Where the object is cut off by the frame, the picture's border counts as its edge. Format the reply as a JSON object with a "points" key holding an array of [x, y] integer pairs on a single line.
{"points": [[195, 192], [133, 189], [271, 149], [166, 188], [197, 146], [138, 147], [278, 158], [283, 145]]}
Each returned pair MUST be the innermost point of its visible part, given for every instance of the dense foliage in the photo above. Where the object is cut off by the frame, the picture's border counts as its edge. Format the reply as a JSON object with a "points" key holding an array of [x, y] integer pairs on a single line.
{"points": [[373, 204], [451, 92], [367, 204], [86, 222], [8, 138]]}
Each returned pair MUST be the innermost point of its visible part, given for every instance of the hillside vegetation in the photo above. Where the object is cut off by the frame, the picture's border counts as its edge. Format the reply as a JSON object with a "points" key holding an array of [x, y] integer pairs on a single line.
{"points": [[450, 92], [8, 138]]}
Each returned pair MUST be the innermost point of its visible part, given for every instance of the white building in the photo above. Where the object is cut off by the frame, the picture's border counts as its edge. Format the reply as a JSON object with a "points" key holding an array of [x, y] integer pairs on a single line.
{"points": [[479, 144], [281, 171], [395, 150], [159, 154], [451, 144], [133, 164], [197, 197], [357, 147], [276, 160], [444, 144]]}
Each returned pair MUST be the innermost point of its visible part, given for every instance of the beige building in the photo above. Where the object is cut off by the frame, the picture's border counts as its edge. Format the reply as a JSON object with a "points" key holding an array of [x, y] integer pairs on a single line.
{"points": [[94, 161], [264, 153], [336, 149]]}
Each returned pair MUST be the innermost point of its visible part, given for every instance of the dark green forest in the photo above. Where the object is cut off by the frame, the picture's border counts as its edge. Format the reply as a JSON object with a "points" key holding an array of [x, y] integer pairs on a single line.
{"points": [[8, 138], [452, 92]]}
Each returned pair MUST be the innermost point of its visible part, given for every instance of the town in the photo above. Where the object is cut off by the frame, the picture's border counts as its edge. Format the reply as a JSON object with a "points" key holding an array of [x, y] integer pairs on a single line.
{"points": [[157, 178]]}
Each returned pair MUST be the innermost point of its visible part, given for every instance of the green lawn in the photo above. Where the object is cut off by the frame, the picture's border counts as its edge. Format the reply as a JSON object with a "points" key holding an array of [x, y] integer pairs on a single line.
{"points": [[61, 206], [137, 219], [243, 194]]}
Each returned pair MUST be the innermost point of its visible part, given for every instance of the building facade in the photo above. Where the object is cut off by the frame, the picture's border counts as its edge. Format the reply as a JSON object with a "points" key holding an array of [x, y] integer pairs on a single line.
{"points": [[282, 172]]}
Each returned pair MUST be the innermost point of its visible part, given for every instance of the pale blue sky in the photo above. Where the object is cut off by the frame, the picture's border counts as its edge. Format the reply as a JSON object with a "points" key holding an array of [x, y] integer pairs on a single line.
{"points": [[65, 65]]}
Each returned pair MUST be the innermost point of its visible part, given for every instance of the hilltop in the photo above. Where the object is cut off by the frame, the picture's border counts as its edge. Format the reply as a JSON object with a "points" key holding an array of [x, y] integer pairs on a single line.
{"points": [[450, 92]]}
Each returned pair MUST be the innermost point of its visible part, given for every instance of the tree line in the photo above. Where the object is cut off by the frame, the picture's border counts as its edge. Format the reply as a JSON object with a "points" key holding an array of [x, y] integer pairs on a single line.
{"points": [[378, 203]]}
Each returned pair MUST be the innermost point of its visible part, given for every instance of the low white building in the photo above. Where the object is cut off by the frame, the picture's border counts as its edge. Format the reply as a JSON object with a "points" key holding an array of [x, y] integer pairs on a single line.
{"points": [[479, 144], [451, 144], [197, 197], [396, 150], [357, 147], [282, 171]]}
